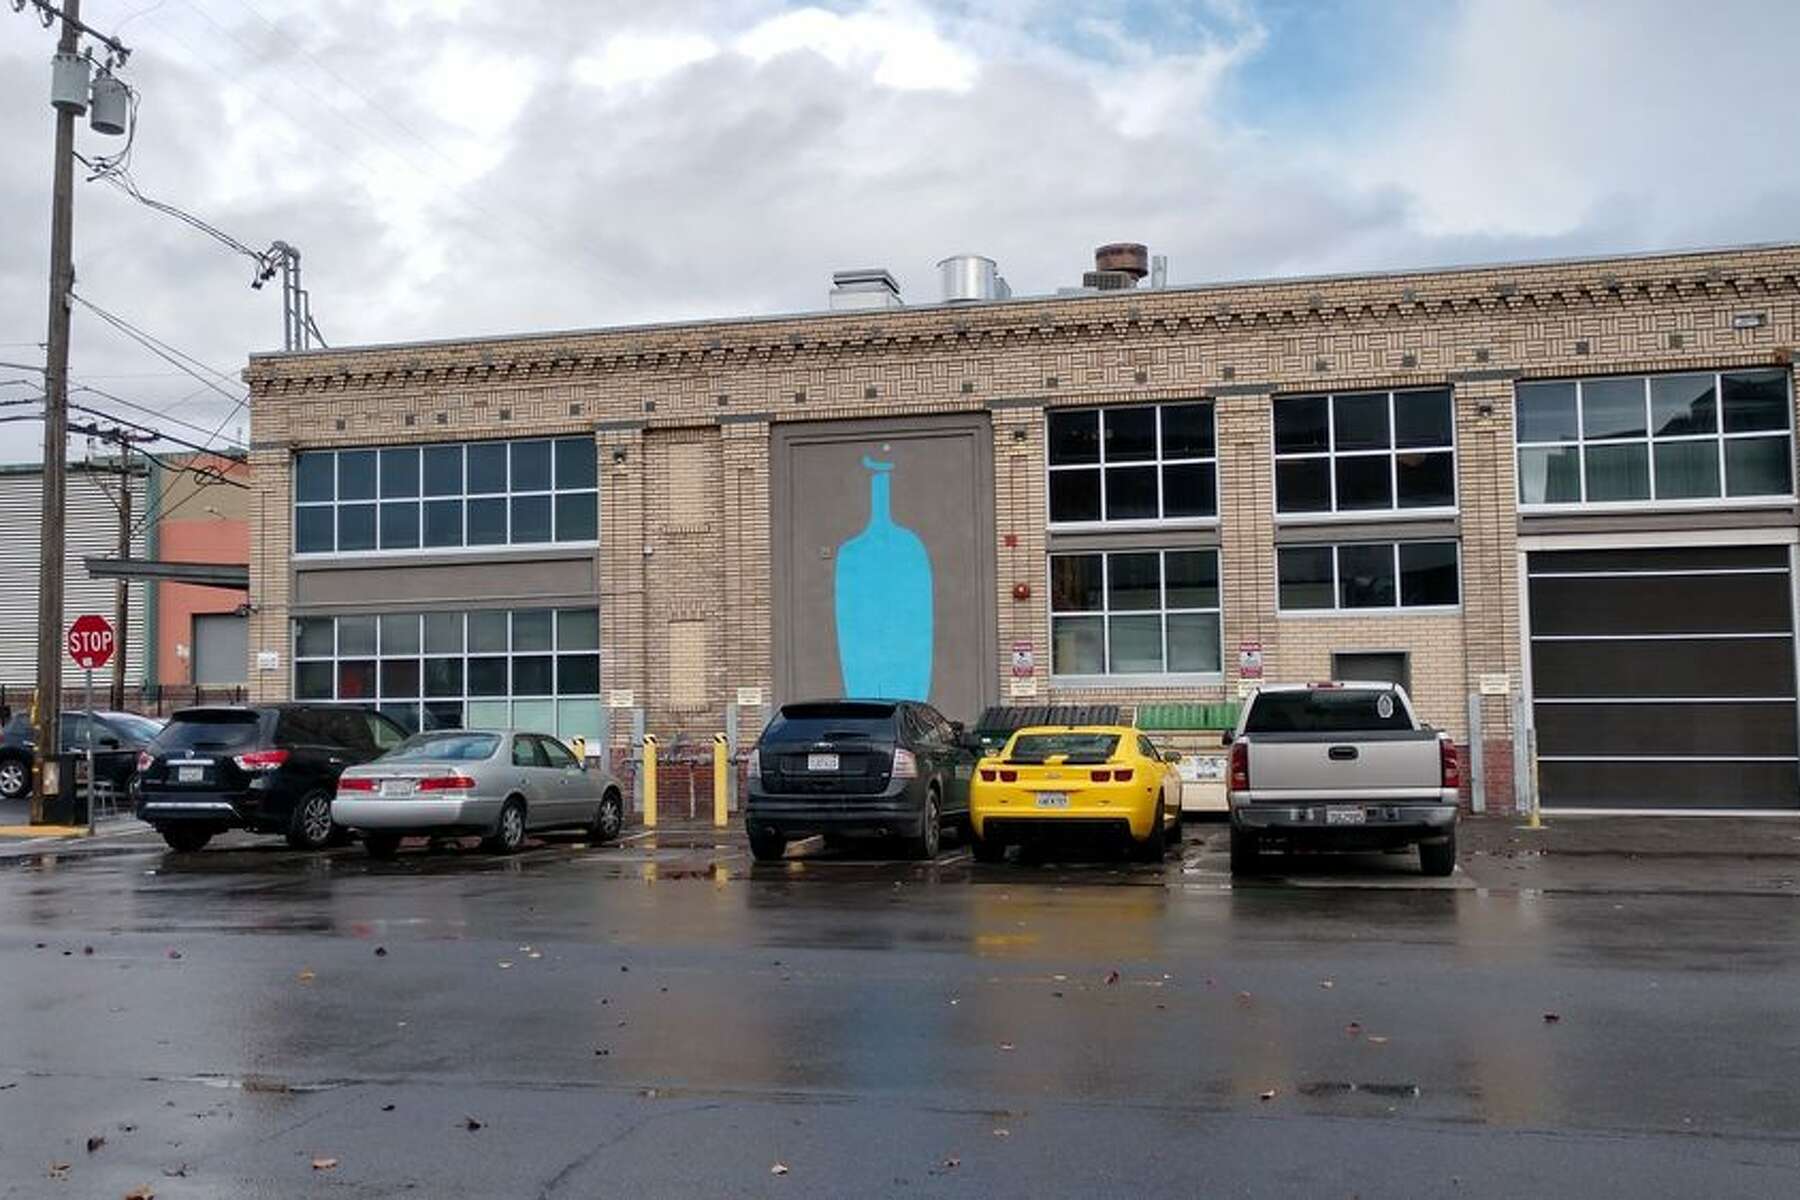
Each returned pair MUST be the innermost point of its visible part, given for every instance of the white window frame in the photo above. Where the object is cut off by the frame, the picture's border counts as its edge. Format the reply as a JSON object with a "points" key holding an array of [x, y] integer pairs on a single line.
{"points": [[464, 496], [1331, 454], [1157, 463], [1396, 609], [1650, 441], [421, 656], [1162, 612]]}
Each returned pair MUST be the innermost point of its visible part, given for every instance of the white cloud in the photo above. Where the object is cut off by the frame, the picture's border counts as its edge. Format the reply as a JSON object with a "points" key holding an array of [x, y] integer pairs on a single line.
{"points": [[634, 59], [893, 45]]}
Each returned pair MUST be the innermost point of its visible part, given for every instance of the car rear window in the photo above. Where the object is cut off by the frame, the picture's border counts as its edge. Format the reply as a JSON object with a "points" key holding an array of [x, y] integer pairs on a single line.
{"points": [[1335, 710], [444, 747], [830, 722], [141, 728], [209, 731], [1074, 747]]}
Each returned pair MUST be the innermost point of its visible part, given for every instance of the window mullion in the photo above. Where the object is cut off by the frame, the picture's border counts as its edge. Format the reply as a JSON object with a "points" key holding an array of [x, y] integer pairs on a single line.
{"points": [[1331, 447]]}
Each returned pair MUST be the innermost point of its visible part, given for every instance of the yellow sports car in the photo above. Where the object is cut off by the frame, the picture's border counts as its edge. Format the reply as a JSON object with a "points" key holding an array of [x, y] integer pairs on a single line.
{"points": [[1049, 779]]}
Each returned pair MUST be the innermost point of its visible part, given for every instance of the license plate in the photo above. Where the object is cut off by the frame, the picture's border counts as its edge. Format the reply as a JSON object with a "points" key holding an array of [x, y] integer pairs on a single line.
{"points": [[396, 787], [1345, 816], [189, 774], [1053, 799], [821, 762]]}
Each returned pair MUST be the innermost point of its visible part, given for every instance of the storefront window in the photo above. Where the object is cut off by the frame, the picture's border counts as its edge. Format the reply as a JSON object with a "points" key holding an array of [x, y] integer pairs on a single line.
{"points": [[1134, 613]]}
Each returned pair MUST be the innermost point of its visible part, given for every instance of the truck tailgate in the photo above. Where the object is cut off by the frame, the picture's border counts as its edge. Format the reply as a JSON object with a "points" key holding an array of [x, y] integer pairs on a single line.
{"points": [[1325, 766]]}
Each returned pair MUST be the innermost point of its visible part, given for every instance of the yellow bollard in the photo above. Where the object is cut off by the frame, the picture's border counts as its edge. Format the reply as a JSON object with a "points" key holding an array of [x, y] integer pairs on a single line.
{"points": [[649, 769], [721, 777]]}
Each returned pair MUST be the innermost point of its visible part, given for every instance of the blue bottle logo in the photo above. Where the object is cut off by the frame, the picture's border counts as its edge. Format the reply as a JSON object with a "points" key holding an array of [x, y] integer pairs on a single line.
{"points": [[883, 589]]}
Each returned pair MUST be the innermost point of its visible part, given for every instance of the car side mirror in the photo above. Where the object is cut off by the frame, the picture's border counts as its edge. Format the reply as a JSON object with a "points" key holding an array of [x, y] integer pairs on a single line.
{"points": [[1225, 737], [1171, 756]]}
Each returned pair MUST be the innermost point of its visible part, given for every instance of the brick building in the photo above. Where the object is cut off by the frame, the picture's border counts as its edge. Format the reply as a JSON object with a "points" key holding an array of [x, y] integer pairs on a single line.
{"points": [[1571, 482]]}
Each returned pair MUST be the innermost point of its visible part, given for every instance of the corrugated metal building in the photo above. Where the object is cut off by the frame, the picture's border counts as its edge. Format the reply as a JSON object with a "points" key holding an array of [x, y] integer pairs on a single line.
{"points": [[93, 529]]}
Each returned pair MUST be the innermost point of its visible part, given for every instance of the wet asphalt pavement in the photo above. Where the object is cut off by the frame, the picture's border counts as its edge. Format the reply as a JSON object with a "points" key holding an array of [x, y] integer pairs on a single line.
{"points": [[661, 1019]]}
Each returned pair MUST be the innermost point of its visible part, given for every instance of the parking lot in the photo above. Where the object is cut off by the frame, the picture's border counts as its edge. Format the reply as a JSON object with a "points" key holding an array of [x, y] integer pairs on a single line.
{"points": [[665, 1015]]}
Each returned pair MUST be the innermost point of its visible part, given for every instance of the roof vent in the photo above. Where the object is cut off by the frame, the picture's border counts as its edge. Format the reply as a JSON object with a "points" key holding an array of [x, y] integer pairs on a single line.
{"points": [[1126, 258], [863, 289], [970, 277]]}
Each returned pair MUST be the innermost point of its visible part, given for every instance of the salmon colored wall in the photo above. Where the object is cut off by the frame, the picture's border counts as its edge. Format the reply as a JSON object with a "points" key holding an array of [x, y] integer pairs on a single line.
{"points": [[206, 540]]}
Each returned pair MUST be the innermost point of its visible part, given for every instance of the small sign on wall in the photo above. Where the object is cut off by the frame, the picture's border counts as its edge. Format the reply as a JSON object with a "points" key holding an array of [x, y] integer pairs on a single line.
{"points": [[1250, 659], [749, 697], [1024, 687], [1024, 660], [621, 698], [1498, 684], [268, 660]]}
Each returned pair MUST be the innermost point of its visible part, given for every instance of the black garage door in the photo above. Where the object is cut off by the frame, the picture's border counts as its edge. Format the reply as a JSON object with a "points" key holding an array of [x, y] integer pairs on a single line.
{"points": [[1664, 678]]}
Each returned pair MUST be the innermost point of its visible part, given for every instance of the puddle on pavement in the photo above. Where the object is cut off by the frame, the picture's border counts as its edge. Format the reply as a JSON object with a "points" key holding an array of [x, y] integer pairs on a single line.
{"points": [[1330, 1088]]}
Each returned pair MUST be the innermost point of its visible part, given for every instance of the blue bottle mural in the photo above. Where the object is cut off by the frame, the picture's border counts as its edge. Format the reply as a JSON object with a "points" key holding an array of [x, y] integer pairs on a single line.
{"points": [[883, 589]]}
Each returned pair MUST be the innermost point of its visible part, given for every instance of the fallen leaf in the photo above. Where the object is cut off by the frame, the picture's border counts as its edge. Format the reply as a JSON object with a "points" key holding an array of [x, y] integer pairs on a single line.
{"points": [[173, 1173], [1002, 1133], [143, 1193], [1327, 984], [952, 1163], [307, 976], [1006, 1045], [381, 952], [1552, 1018], [387, 1108], [174, 953], [779, 1168], [1378, 1041], [471, 1124], [95, 1142], [325, 1164], [504, 965], [540, 954], [60, 1170], [1268, 1095], [1112, 977], [87, 951]]}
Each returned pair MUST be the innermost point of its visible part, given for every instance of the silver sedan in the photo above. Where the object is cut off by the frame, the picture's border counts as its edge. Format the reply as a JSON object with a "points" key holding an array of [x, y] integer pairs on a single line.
{"points": [[498, 785]]}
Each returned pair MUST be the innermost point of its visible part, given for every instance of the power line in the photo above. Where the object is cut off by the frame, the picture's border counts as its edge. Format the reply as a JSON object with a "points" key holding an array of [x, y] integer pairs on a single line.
{"points": [[180, 359], [160, 415]]}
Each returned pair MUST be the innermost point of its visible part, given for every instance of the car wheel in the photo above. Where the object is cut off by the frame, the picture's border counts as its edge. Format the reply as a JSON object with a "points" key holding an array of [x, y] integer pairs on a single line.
{"points": [[1174, 828], [931, 830], [987, 850], [609, 818], [312, 827], [767, 847], [509, 831], [382, 846], [1155, 847], [15, 779], [184, 840], [1438, 858], [1245, 852]]}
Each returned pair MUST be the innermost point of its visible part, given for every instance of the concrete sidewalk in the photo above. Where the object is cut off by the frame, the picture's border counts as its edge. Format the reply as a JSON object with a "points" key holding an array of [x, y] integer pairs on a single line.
{"points": [[1748, 838]]}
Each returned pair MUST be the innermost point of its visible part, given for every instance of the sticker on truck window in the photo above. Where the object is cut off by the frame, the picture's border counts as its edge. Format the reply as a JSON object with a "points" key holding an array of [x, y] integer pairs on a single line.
{"points": [[1384, 706]]}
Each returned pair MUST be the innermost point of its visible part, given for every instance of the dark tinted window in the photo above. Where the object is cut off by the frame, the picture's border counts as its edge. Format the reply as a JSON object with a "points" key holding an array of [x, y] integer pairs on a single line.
{"points": [[1301, 425], [299, 727], [826, 721], [1074, 437], [345, 727], [555, 753], [138, 729], [576, 465], [445, 747], [1130, 434], [1335, 710], [1075, 747], [1075, 495], [1362, 422], [220, 730], [526, 752]]}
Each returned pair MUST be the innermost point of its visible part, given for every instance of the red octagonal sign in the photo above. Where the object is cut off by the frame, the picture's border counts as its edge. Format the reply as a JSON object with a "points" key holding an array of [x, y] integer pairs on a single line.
{"points": [[91, 641]]}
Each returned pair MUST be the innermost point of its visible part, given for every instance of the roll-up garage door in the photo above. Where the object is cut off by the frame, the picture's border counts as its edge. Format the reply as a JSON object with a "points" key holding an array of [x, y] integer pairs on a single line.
{"points": [[1664, 678]]}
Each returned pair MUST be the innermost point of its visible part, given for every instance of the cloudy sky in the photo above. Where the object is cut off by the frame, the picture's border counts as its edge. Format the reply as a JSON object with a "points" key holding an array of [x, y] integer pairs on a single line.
{"points": [[451, 168]]}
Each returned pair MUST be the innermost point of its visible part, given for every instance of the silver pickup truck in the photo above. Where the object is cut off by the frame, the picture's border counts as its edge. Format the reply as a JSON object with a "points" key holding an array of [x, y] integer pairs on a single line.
{"points": [[1344, 766]]}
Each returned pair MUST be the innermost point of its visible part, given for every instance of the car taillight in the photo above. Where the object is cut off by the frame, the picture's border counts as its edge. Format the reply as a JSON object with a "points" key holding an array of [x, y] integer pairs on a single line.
{"points": [[988, 774], [260, 760], [355, 784], [905, 765], [1451, 765], [754, 767], [145, 760], [446, 783], [1009, 776], [1115, 775], [1240, 766]]}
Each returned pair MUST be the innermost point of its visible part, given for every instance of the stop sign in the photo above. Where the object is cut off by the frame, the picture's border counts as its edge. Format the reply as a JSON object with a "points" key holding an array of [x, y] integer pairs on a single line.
{"points": [[91, 641]]}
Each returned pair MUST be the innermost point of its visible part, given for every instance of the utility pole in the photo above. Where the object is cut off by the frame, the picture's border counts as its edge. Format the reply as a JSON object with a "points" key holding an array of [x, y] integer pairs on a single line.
{"points": [[122, 587], [51, 533]]}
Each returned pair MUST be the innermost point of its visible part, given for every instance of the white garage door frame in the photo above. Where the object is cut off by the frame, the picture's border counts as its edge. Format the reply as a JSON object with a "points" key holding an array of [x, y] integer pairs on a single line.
{"points": [[1639, 541]]}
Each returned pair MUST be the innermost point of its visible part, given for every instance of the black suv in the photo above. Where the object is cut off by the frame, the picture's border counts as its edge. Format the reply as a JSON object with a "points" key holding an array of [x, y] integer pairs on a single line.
{"points": [[891, 768], [118, 736], [269, 769]]}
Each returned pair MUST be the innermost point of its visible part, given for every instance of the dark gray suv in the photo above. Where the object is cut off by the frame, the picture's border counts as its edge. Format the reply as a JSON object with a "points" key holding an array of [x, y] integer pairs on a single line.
{"points": [[893, 769]]}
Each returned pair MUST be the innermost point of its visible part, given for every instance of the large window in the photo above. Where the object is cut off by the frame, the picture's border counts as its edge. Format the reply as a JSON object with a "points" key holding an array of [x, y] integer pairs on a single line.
{"points": [[536, 669], [1134, 612], [1655, 438], [522, 493], [1367, 575], [1365, 452], [1147, 463]]}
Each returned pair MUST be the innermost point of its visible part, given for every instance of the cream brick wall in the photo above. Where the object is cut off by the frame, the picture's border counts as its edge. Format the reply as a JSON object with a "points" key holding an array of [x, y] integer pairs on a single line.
{"points": [[645, 392]]}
